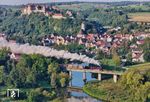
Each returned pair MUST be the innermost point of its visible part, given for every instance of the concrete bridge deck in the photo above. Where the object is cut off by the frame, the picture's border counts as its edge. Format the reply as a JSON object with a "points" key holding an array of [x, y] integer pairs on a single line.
{"points": [[96, 71], [74, 88]]}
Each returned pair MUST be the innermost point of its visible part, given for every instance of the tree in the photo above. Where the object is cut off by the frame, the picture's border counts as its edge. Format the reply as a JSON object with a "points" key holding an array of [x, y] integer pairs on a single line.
{"points": [[129, 57], [146, 45], [100, 55], [124, 49], [2, 73], [19, 75], [147, 56], [136, 82], [31, 79], [75, 47], [36, 96], [52, 70], [53, 67], [63, 82], [4, 55], [116, 59], [54, 80], [39, 66]]}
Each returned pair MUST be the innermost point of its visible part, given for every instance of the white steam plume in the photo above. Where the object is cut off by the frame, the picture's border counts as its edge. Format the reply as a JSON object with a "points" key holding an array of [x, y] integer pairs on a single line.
{"points": [[45, 51]]}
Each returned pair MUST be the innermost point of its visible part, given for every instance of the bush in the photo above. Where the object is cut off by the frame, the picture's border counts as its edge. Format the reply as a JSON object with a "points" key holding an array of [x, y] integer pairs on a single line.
{"points": [[134, 86]]}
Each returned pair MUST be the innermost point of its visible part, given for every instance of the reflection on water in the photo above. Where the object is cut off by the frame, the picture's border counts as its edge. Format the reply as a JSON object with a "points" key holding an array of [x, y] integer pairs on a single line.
{"points": [[80, 96], [77, 78]]}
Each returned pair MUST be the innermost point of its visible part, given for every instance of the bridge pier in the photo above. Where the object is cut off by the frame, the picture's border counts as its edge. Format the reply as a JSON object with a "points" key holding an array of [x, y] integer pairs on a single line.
{"points": [[70, 74], [99, 76], [115, 78], [84, 77]]}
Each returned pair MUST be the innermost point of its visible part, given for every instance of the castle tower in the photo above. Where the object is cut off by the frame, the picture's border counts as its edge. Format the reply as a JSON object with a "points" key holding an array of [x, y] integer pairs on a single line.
{"points": [[83, 26], [29, 9]]}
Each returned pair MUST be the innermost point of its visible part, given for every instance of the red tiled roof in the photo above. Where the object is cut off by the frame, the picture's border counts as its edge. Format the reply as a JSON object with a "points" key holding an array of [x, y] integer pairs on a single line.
{"points": [[140, 42], [90, 36], [138, 55]]}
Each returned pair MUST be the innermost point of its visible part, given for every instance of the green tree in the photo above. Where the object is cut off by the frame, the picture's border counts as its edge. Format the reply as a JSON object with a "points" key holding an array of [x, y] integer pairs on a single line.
{"points": [[136, 82], [31, 79], [147, 56], [2, 73], [4, 55], [63, 82], [116, 59], [100, 55], [146, 45], [19, 74], [52, 70], [36, 96], [39, 66]]}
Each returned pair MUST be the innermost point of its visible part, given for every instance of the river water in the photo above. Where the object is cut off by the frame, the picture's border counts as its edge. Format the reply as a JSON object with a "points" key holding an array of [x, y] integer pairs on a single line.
{"points": [[78, 82]]}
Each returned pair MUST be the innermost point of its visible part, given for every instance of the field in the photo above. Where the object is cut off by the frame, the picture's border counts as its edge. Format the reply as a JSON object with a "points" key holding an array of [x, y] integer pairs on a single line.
{"points": [[139, 17], [82, 6]]}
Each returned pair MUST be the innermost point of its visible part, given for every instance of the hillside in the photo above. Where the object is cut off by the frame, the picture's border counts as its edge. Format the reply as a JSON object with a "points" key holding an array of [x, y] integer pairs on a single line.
{"points": [[35, 24], [133, 86]]}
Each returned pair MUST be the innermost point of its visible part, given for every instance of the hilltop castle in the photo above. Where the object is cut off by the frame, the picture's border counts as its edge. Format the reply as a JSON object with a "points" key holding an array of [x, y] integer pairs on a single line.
{"points": [[46, 10], [30, 8]]}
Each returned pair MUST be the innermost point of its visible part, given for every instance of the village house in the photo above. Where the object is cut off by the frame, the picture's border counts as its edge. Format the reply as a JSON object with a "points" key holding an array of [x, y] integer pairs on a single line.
{"points": [[48, 13], [58, 16], [103, 42], [80, 34], [2, 36], [47, 42], [15, 56], [140, 42], [90, 37], [12, 41], [133, 46], [60, 40], [69, 13], [137, 57]]}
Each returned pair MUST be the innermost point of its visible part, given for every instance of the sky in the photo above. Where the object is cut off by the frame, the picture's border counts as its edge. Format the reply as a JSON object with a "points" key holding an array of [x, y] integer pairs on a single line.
{"points": [[17, 2]]}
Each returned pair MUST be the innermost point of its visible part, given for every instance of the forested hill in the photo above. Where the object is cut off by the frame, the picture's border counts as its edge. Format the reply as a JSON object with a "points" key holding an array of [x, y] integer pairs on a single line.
{"points": [[11, 22]]}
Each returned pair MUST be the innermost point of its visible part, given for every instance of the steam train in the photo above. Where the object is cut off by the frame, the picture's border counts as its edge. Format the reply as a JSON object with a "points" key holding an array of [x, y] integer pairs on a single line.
{"points": [[93, 67]]}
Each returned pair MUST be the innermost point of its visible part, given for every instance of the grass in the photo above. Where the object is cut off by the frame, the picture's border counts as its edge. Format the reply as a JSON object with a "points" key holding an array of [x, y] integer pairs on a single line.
{"points": [[116, 92], [108, 64], [139, 17], [99, 90], [144, 65]]}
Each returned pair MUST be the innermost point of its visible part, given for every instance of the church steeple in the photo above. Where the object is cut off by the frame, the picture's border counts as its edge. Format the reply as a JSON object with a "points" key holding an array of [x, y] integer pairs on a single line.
{"points": [[83, 26], [82, 31]]}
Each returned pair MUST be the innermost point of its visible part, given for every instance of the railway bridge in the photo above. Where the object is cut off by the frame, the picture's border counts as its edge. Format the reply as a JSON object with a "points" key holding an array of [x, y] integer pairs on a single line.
{"points": [[100, 72]]}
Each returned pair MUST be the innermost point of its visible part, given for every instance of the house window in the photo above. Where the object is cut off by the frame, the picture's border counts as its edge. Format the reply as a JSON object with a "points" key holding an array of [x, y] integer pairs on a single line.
{"points": [[39, 7]]}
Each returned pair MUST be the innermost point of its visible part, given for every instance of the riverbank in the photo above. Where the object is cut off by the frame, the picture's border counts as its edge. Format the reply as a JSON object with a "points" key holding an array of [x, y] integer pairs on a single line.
{"points": [[99, 90], [133, 86]]}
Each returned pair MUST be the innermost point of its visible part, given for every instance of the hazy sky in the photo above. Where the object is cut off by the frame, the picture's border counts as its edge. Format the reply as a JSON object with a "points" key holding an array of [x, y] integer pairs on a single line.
{"points": [[16, 2]]}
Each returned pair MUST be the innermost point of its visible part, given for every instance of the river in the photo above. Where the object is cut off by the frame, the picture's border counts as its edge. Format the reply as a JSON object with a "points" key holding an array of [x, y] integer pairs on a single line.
{"points": [[78, 82]]}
